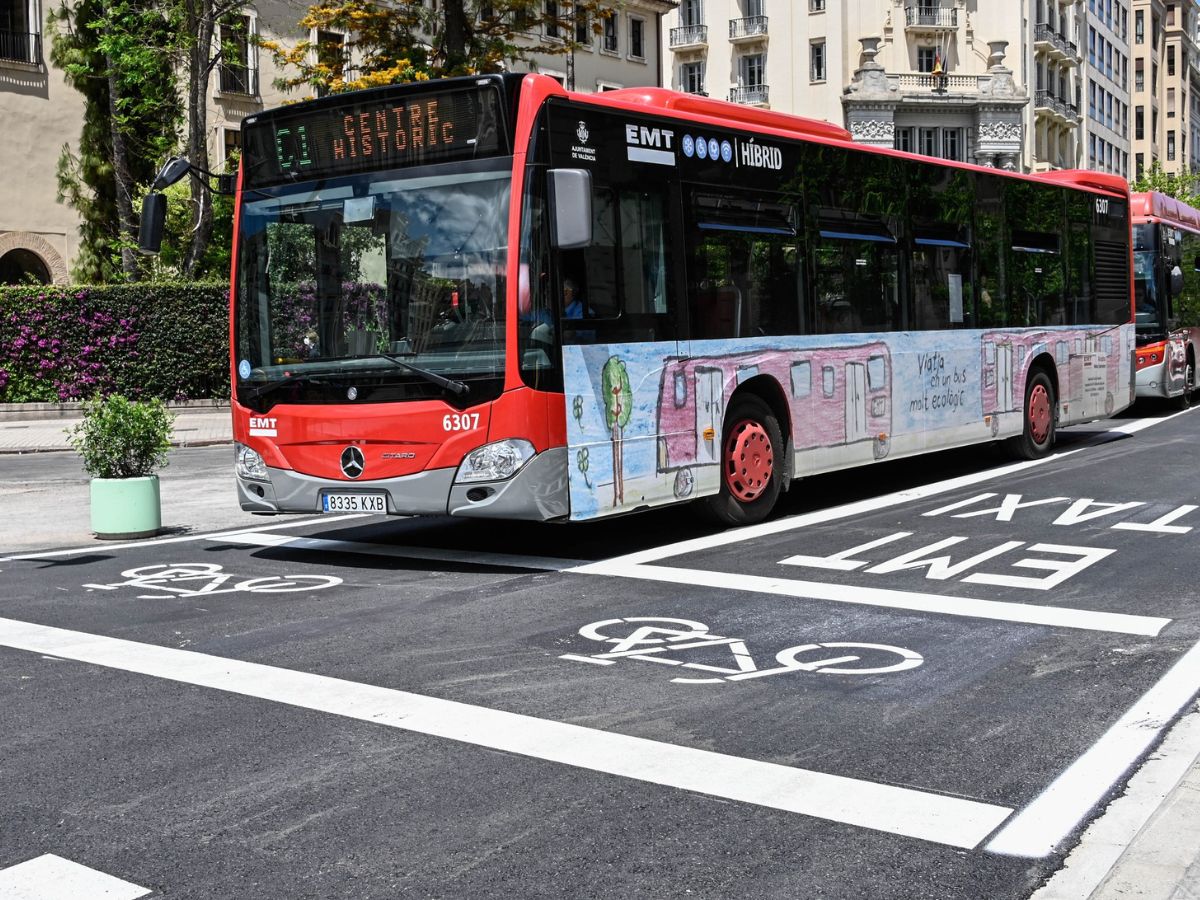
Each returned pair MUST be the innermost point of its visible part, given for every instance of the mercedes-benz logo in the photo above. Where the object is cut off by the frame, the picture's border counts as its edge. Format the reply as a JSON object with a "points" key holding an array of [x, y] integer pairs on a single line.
{"points": [[353, 462]]}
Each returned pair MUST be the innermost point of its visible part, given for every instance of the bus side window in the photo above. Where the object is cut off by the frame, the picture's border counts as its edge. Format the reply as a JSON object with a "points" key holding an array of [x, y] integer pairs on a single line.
{"points": [[989, 243], [742, 279], [940, 203]]}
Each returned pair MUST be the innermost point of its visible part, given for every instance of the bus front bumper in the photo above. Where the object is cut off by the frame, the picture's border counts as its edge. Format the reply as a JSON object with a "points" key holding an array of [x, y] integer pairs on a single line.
{"points": [[1152, 381], [538, 492]]}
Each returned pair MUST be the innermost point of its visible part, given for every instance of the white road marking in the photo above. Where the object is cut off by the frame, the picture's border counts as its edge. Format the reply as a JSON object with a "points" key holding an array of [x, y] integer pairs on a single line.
{"points": [[1027, 613], [205, 536], [955, 821], [1107, 838], [51, 877], [1047, 821], [437, 554]]}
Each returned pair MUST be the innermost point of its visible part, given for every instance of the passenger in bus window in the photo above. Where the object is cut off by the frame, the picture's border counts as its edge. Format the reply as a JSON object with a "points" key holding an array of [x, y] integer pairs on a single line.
{"points": [[574, 304]]}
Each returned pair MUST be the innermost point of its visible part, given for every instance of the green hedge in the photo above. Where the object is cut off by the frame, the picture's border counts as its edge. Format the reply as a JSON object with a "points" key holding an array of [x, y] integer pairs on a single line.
{"points": [[169, 341]]}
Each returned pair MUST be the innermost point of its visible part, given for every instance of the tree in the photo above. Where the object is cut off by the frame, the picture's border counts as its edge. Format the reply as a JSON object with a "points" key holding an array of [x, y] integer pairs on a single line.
{"points": [[408, 41], [109, 52], [1184, 186], [618, 408], [200, 20]]}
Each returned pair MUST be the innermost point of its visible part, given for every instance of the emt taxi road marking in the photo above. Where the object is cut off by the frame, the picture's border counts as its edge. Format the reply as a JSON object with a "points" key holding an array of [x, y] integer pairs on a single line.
{"points": [[955, 821]]}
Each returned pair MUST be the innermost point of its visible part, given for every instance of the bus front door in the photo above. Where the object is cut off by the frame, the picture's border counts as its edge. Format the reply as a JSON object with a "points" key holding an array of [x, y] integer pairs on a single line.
{"points": [[710, 414], [856, 402], [1004, 378]]}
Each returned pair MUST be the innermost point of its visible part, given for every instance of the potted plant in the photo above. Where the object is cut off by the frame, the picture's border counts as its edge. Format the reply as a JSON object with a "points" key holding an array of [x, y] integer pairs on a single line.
{"points": [[122, 443]]}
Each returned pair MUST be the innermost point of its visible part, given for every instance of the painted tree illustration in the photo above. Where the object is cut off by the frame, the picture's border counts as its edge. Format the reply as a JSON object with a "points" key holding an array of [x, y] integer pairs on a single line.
{"points": [[618, 407]]}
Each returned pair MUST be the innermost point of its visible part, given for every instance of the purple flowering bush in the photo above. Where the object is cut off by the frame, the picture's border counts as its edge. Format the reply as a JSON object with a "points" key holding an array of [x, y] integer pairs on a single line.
{"points": [[294, 313], [168, 341]]}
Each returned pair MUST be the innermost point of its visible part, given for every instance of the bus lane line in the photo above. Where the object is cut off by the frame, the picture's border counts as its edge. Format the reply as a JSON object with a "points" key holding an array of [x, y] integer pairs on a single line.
{"points": [[435, 554], [943, 604], [1050, 819], [940, 818]]}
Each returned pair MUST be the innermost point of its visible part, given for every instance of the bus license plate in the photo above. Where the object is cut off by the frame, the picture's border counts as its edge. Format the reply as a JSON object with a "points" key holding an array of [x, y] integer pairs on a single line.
{"points": [[370, 503]]}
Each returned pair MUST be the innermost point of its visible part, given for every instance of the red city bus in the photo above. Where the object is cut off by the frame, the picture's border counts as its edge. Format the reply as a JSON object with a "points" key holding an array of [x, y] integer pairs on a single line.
{"points": [[490, 297], [1166, 271]]}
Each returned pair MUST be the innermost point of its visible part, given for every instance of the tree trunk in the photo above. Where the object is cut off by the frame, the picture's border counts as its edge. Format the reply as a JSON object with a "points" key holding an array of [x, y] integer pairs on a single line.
{"points": [[200, 25], [455, 36], [127, 223]]}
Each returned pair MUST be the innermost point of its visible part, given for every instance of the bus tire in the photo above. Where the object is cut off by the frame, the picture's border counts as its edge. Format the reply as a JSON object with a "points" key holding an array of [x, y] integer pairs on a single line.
{"points": [[751, 463], [1184, 400], [1037, 437]]}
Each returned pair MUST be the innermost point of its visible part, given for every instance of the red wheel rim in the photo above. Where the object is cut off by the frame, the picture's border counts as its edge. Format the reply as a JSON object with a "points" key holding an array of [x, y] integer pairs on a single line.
{"points": [[1039, 413], [749, 460]]}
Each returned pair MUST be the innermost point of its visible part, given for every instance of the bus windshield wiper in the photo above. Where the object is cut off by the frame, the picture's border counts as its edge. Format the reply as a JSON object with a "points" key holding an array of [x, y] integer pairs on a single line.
{"points": [[257, 393], [458, 388]]}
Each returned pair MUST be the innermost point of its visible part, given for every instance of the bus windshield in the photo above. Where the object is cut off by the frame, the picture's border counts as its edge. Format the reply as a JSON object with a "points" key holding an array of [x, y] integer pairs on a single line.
{"points": [[334, 276], [1145, 284]]}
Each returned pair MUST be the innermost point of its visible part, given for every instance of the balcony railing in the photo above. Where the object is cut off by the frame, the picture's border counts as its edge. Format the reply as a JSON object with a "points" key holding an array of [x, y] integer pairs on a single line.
{"points": [[1064, 109], [752, 94], [930, 17], [689, 36], [958, 84], [20, 46], [238, 80], [750, 27]]}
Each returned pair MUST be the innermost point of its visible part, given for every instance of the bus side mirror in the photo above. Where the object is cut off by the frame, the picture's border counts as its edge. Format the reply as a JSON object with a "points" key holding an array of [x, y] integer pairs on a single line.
{"points": [[571, 208], [154, 216], [1176, 281]]}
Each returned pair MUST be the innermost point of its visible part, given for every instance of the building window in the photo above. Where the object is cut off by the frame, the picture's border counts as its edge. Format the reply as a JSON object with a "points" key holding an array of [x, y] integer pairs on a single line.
{"points": [[691, 77], [751, 70], [331, 53], [1171, 145], [928, 141], [816, 66], [610, 33], [926, 57], [1171, 59], [1170, 103], [551, 20], [1139, 123], [904, 139], [20, 32], [1139, 74], [583, 26], [637, 38], [238, 72], [233, 145], [1139, 161], [690, 13], [952, 143], [1139, 27], [816, 5]]}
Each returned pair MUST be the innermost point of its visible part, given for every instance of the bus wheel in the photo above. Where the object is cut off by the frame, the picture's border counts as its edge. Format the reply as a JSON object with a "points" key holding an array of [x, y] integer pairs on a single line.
{"points": [[750, 463], [1189, 386], [1037, 437]]}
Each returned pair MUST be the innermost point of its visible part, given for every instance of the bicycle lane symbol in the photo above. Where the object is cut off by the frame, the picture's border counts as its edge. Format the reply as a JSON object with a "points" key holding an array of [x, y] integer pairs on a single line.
{"points": [[207, 579], [654, 639]]}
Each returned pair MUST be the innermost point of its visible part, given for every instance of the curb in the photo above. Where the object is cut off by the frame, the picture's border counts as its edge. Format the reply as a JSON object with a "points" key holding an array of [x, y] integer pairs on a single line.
{"points": [[23, 412], [199, 442]]}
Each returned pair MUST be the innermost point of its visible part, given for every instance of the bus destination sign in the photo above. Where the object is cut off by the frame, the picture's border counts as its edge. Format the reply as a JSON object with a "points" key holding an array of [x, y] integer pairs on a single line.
{"points": [[375, 132]]}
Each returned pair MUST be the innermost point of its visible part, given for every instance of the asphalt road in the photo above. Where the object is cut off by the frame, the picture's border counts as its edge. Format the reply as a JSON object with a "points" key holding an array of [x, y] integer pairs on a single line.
{"points": [[921, 679]]}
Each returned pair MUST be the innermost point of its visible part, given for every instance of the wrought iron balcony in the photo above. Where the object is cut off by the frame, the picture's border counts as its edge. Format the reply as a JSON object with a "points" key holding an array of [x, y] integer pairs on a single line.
{"points": [[753, 95], [689, 36], [1050, 41], [21, 46], [751, 28], [929, 18]]}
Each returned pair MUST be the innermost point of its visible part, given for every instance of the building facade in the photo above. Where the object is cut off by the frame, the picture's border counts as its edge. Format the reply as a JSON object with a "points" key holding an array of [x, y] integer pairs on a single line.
{"points": [[1001, 84], [39, 237], [1166, 81]]}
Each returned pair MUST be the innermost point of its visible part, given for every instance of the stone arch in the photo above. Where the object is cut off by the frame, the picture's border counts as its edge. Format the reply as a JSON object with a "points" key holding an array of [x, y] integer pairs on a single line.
{"points": [[41, 248]]}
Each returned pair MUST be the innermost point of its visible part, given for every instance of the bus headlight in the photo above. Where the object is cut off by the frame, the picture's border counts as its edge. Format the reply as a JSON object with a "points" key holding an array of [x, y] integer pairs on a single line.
{"points": [[250, 464], [495, 462]]}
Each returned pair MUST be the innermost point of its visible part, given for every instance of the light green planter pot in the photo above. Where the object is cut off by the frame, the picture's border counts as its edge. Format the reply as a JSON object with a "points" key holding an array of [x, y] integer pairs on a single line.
{"points": [[125, 507]]}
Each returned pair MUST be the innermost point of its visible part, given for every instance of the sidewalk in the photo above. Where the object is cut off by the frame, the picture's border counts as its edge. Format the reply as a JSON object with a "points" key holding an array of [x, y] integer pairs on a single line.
{"points": [[193, 428]]}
